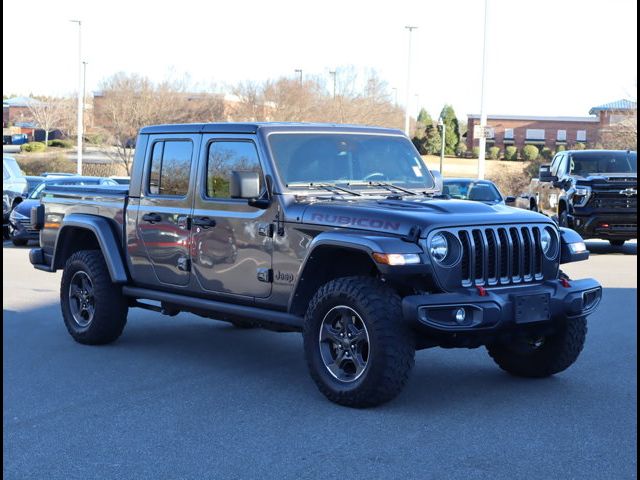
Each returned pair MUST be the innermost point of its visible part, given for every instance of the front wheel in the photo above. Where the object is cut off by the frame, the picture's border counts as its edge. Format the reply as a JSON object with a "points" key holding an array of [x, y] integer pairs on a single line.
{"points": [[358, 350], [542, 356], [93, 308]]}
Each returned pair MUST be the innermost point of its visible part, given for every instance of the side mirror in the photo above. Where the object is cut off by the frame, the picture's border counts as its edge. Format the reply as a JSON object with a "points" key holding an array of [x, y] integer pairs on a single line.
{"points": [[544, 174], [246, 185], [509, 200], [437, 176]]}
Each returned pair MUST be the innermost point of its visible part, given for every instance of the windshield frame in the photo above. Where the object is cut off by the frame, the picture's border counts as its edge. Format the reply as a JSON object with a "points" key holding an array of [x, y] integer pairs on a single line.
{"points": [[365, 190]]}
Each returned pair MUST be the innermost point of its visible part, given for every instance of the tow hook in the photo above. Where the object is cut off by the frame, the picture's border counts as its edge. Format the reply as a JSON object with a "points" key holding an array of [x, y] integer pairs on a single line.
{"points": [[481, 291]]}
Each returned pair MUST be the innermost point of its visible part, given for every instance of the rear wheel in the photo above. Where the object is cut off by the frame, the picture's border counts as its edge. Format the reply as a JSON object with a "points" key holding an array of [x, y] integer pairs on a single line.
{"points": [[358, 350], [93, 307], [617, 243]]}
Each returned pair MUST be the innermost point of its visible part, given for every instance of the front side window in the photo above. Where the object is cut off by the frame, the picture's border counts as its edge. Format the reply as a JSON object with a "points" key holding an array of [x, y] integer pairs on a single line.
{"points": [[170, 168], [226, 157], [349, 159]]}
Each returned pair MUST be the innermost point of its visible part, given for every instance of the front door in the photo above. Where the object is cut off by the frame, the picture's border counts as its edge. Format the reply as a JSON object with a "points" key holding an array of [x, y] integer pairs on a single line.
{"points": [[231, 241], [166, 201]]}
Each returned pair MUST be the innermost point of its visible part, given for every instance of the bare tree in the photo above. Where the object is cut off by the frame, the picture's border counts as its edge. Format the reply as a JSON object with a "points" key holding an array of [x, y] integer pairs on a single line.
{"points": [[48, 113]]}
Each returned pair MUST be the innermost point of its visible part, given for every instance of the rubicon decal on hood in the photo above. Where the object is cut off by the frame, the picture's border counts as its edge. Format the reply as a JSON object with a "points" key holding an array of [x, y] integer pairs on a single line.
{"points": [[346, 220]]}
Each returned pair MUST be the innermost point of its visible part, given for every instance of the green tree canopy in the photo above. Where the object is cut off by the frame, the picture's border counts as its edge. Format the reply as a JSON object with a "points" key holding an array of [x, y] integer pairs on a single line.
{"points": [[452, 127]]}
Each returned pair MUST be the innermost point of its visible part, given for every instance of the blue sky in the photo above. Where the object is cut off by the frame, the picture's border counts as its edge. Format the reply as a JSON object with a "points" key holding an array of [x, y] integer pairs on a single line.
{"points": [[545, 57]]}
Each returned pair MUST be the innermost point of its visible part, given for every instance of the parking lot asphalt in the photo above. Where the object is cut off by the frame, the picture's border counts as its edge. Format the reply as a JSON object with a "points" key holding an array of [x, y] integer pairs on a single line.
{"points": [[186, 397]]}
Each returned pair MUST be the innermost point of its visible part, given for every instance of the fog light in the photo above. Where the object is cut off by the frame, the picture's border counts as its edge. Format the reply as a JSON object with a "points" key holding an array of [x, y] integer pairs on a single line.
{"points": [[460, 315]]}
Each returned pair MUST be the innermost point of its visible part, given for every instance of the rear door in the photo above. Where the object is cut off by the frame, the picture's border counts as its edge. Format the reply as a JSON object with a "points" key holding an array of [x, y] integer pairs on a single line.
{"points": [[166, 201]]}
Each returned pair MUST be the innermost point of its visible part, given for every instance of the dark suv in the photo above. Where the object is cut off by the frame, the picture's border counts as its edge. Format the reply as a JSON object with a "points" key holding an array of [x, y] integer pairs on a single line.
{"points": [[593, 192]]}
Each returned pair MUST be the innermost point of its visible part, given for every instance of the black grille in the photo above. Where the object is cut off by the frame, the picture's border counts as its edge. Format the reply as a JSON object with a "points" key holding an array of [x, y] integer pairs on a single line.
{"points": [[613, 201], [500, 255]]}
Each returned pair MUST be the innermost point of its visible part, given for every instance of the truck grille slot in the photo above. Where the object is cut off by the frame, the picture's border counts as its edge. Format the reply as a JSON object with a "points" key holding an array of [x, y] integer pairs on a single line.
{"points": [[614, 203], [500, 255]]}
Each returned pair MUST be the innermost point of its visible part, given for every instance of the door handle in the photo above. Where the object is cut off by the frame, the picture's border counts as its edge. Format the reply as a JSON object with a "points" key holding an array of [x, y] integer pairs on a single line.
{"points": [[204, 222], [152, 217]]}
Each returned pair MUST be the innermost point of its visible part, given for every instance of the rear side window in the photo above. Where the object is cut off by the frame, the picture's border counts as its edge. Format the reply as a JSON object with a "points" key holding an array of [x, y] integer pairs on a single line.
{"points": [[225, 157], [170, 168]]}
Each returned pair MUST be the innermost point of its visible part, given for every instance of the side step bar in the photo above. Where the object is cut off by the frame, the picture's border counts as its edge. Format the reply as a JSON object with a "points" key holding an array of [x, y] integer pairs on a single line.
{"points": [[260, 315]]}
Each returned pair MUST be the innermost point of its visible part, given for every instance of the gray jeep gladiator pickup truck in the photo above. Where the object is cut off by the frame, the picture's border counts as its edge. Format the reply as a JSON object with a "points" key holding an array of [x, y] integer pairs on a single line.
{"points": [[335, 231]]}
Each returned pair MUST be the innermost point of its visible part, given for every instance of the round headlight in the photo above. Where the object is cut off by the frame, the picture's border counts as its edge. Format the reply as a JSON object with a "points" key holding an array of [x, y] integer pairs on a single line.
{"points": [[438, 247], [545, 241]]}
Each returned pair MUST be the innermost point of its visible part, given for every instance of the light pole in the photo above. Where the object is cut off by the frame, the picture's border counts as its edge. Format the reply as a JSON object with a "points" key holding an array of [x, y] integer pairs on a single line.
{"points": [[80, 95], [395, 94], [444, 130], [333, 74], [84, 89], [406, 107], [483, 114], [298, 71]]}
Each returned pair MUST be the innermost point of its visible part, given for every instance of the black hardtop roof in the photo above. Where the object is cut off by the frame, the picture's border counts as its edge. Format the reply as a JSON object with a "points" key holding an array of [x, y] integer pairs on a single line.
{"points": [[230, 127]]}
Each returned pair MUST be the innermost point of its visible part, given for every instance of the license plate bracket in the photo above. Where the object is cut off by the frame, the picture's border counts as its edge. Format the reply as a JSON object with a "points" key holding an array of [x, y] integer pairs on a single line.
{"points": [[532, 308]]}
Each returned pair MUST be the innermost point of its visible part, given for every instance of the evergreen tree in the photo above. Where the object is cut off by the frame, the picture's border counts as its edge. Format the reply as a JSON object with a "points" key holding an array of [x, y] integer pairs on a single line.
{"points": [[452, 127]]}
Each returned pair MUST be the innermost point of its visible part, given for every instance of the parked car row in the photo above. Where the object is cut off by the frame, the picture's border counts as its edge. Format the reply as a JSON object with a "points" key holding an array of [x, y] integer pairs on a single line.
{"points": [[21, 192]]}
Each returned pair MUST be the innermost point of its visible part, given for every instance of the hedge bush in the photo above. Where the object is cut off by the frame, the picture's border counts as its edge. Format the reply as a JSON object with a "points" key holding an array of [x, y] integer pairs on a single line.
{"points": [[461, 151], [530, 153], [561, 148], [94, 138], [493, 153], [546, 153], [33, 147], [39, 165], [579, 146], [475, 152], [60, 143], [511, 153]]}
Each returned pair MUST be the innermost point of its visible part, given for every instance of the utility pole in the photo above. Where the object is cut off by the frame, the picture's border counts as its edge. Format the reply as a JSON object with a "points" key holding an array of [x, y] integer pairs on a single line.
{"points": [[395, 94], [444, 130], [80, 96], [483, 113], [406, 107], [333, 74], [84, 89], [299, 72]]}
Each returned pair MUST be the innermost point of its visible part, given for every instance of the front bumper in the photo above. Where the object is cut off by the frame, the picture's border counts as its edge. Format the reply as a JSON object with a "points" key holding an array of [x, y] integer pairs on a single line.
{"points": [[21, 230], [606, 226], [502, 308]]}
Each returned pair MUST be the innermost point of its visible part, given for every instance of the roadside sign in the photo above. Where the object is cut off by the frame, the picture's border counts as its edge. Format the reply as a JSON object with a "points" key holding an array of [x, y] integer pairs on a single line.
{"points": [[483, 132]]}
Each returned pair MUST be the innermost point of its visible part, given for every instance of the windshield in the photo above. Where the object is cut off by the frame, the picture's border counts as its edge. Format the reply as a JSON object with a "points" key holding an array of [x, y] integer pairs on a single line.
{"points": [[587, 163], [462, 190], [348, 159]]}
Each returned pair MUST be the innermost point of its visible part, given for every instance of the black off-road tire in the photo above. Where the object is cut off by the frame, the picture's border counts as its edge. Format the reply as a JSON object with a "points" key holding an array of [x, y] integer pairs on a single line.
{"points": [[392, 345], [556, 353], [19, 242], [617, 243], [111, 307], [563, 219]]}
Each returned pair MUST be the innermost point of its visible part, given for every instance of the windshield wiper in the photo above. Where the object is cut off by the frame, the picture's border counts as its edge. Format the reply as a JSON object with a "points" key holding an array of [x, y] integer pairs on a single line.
{"points": [[326, 186], [387, 186]]}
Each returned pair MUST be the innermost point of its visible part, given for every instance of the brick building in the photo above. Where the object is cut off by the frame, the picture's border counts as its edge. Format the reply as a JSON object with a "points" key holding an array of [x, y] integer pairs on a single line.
{"points": [[552, 132]]}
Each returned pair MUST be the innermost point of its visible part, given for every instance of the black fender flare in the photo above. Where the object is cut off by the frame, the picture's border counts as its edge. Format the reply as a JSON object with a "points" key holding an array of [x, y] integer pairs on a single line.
{"points": [[101, 229], [359, 242]]}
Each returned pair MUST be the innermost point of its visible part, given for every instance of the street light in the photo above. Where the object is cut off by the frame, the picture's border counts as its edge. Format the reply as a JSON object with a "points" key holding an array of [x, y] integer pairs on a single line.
{"points": [[483, 114], [84, 89], [395, 94], [442, 126], [406, 108], [298, 71], [333, 74], [80, 96]]}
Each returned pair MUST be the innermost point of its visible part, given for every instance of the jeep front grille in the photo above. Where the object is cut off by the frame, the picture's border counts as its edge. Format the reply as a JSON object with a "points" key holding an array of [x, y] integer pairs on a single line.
{"points": [[500, 255]]}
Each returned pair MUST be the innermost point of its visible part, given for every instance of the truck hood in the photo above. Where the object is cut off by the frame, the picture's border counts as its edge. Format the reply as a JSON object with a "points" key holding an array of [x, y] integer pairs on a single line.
{"points": [[399, 216], [610, 179]]}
